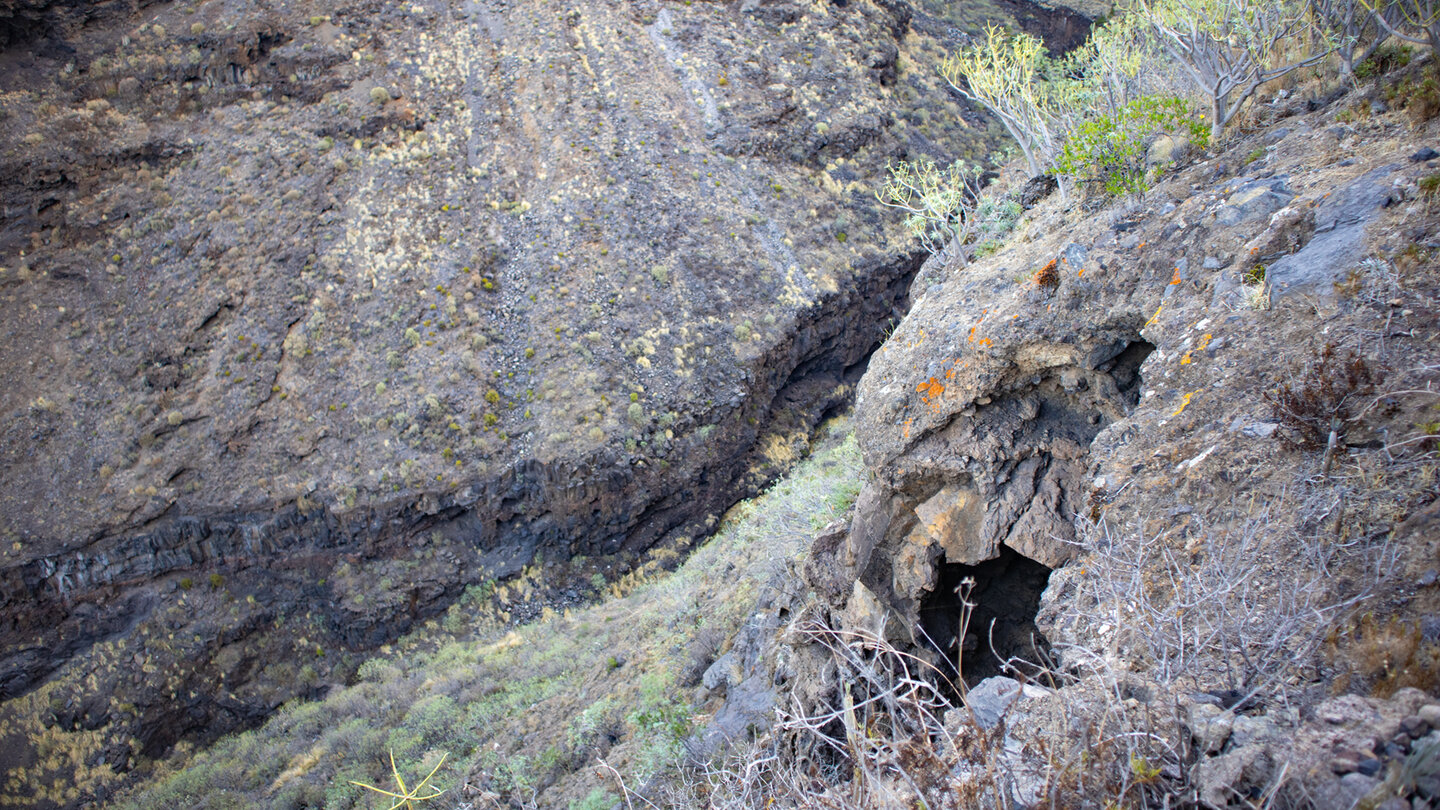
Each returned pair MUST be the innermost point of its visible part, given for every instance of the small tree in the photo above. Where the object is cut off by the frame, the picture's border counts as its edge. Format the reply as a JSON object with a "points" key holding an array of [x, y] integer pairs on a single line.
{"points": [[939, 205], [1115, 59], [1229, 48], [1009, 74], [1357, 29]]}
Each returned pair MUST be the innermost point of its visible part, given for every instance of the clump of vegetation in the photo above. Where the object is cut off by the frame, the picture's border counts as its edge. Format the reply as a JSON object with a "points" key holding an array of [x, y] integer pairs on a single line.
{"points": [[1386, 58], [939, 204], [1110, 149], [1382, 657], [1325, 397]]}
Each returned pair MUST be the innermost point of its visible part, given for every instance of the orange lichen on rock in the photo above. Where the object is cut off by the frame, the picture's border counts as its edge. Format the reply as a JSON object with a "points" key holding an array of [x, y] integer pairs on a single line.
{"points": [[1047, 275], [930, 390]]}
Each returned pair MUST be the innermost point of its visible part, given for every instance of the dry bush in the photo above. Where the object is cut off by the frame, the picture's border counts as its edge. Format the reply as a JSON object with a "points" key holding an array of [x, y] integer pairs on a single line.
{"points": [[886, 736], [1382, 657], [1241, 612], [1325, 396]]}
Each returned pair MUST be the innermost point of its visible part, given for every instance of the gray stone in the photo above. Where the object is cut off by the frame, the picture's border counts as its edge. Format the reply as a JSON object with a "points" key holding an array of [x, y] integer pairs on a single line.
{"points": [[1338, 242], [1211, 263], [720, 674], [1428, 578], [1211, 726], [1344, 793], [991, 699], [1167, 149], [1247, 730], [1217, 779], [1261, 430], [1253, 200], [1346, 709], [748, 704], [1430, 714]]}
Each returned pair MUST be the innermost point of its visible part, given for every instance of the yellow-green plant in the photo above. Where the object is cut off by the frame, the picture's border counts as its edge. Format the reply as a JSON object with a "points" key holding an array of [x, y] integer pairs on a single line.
{"points": [[407, 796], [1010, 75], [938, 203], [1114, 59]]}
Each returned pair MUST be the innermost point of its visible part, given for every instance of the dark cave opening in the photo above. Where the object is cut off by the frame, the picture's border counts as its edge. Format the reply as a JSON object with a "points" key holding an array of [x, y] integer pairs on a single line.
{"points": [[1001, 627]]}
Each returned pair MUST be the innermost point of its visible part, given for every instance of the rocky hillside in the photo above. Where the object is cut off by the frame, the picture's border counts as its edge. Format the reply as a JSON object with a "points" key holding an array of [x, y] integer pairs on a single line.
{"points": [[1148, 519], [317, 314], [325, 320], [1182, 447]]}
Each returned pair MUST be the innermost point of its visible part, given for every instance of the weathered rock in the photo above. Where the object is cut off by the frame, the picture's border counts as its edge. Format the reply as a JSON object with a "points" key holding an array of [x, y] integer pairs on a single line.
{"points": [[1211, 726], [1253, 200], [1430, 713], [1218, 779], [991, 699], [1338, 245], [1167, 150]]}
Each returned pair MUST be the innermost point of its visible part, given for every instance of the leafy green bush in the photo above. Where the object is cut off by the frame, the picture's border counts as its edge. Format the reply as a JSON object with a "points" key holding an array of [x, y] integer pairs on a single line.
{"points": [[1111, 149]]}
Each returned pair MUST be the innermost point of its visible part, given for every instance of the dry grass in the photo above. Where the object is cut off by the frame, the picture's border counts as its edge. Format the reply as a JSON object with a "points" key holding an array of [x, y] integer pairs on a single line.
{"points": [[1382, 656]]}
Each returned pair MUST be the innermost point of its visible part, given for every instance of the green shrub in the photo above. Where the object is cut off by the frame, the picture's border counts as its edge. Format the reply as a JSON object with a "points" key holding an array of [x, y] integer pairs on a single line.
{"points": [[1386, 58], [1110, 150], [994, 219]]}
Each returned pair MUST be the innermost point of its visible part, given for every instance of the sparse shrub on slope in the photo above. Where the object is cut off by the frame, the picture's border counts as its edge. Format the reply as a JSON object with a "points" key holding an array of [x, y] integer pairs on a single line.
{"points": [[1110, 150], [1010, 75], [939, 204], [1317, 406], [945, 208]]}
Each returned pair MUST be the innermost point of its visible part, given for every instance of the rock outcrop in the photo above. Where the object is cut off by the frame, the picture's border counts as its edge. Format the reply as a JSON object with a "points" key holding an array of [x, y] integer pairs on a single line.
{"points": [[1203, 416]]}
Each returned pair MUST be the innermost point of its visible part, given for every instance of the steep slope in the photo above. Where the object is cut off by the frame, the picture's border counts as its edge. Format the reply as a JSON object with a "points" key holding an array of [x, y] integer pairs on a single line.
{"points": [[317, 314], [1202, 424]]}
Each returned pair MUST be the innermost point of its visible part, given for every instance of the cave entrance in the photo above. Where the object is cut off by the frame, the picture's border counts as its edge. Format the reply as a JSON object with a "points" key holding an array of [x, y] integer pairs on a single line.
{"points": [[1006, 596]]}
